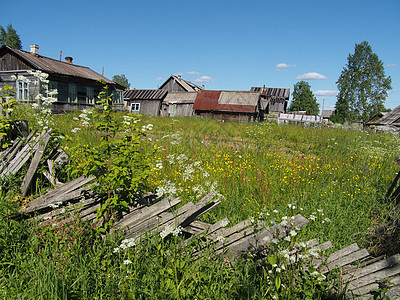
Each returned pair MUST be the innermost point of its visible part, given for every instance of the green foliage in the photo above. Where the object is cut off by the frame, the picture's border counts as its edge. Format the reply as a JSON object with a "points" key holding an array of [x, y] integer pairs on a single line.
{"points": [[8, 103], [122, 80], [10, 37], [118, 162], [362, 86], [304, 99]]}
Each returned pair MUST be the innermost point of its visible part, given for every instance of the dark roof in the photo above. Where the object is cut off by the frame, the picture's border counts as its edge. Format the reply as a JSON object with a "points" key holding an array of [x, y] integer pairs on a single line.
{"points": [[274, 93], [52, 66], [145, 94], [186, 85], [229, 101], [392, 117]]}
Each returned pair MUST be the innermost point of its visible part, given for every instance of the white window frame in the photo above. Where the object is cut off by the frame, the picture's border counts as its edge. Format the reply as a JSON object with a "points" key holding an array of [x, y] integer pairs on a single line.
{"points": [[89, 95], [22, 92], [74, 86], [135, 107]]}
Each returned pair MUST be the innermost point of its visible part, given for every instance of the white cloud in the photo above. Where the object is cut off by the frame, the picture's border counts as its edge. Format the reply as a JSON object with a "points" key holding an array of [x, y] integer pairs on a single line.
{"points": [[193, 73], [204, 79], [283, 65], [326, 93], [311, 76], [159, 79], [391, 65]]}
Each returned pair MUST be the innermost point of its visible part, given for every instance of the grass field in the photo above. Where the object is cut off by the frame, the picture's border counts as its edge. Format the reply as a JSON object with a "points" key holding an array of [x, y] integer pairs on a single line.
{"points": [[335, 177]]}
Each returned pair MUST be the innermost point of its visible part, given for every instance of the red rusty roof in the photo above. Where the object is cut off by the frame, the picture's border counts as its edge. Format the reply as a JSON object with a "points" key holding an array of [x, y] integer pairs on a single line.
{"points": [[233, 101]]}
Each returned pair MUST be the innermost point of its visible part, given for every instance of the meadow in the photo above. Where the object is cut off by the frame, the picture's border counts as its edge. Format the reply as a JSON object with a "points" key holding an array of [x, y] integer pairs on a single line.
{"points": [[335, 177]]}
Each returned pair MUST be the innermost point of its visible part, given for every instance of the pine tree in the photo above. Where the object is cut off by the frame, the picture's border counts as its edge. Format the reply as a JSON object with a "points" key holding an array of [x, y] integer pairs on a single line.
{"points": [[304, 99], [362, 86], [10, 37]]}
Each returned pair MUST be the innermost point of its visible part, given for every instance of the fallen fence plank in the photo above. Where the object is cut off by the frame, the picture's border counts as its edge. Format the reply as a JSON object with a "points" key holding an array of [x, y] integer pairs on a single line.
{"points": [[372, 278], [380, 265], [342, 252], [345, 260], [145, 213], [35, 162], [60, 194]]}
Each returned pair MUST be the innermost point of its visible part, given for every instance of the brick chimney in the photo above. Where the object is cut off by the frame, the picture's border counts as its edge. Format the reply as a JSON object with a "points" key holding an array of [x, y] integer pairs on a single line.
{"points": [[68, 59], [34, 49]]}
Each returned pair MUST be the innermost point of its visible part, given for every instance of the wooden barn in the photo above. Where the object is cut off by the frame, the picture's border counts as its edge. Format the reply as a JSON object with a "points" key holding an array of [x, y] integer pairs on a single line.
{"points": [[176, 84], [145, 102], [77, 86], [272, 100], [178, 104], [227, 105]]}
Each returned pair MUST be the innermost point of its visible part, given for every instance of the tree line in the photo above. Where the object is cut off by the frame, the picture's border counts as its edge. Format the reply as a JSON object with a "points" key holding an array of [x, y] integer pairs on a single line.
{"points": [[363, 88]]}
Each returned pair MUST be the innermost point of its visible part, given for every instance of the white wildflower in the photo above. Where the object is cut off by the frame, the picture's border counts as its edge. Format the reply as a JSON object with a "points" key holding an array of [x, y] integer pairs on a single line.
{"points": [[293, 233], [127, 262], [220, 238], [116, 250], [267, 239], [224, 223], [177, 231], [75, 130], [287, 238]]}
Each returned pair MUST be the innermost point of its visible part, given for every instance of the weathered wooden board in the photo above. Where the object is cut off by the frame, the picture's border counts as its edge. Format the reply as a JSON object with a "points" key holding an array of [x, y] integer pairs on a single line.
{"points": [[144, 213], [380, 265], [67, 192], [372, 278], [35, 161], [345, 260]]}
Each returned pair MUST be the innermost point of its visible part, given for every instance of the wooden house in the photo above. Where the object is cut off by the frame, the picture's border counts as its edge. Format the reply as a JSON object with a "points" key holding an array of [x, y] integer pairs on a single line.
{"points": [[77, 86], [227, 105], [145, 102], [177, 84], [178, 104]]}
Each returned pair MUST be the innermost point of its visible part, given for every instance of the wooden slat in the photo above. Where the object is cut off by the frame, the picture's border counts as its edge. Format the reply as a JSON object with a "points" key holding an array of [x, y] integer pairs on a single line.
{"points": [[35, 162], [21, 158], [345, 251], [209, 230], [371, 278], [256, 241], [145, 213], [345, 260], [380, 265], [61, 194]]}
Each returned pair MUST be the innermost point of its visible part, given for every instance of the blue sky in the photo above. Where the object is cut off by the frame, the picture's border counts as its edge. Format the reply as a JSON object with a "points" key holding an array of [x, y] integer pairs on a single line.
{"points": [[225, 45]]}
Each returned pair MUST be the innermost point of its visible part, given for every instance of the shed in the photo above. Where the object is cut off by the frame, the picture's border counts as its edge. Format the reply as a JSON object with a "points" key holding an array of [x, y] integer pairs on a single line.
{"points": [[177, 84], [227, 105], [146, 102], [272, 100], [178, 104], [326, 114], [392, 118], [76, 86]]}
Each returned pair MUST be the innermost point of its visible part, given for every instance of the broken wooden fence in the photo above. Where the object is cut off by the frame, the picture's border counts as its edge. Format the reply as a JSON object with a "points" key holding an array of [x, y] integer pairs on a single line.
{"points": [[360, 274]]}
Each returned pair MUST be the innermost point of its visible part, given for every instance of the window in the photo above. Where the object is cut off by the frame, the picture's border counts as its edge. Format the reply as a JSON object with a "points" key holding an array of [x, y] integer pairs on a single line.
{"points": [[72, 94], [52, 90], [22, 90], [90, 95], [117, 97], [135, 107]]}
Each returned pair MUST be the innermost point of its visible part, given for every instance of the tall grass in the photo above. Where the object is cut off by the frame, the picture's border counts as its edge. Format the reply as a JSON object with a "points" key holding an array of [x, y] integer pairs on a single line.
{"points": [[338, 175]]}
